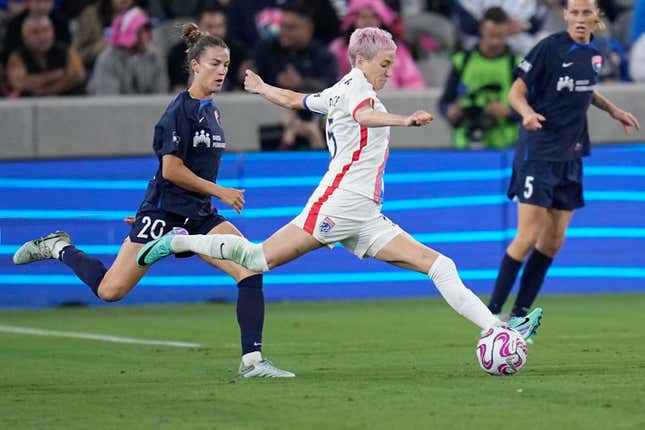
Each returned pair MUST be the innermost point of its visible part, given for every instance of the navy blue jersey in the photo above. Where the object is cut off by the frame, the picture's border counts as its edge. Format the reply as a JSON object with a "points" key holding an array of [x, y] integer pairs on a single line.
{"points": [[560, 75], [189, 129]]}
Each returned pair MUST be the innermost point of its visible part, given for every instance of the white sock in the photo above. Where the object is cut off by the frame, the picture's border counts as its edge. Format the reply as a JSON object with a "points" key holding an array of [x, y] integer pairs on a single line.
{"points": [[252, 358], [224, 247], [445, 277], [58, 247]]}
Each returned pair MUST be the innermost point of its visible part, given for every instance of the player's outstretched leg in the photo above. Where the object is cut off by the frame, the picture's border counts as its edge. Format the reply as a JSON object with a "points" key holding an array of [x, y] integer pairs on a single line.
{"points": [[220, 246], [263, 369], [527, 326], [43, 248]]}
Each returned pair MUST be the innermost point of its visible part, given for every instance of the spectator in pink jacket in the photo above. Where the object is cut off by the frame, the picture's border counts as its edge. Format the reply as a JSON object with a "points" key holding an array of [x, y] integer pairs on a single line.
{"points": [[374, 13]]}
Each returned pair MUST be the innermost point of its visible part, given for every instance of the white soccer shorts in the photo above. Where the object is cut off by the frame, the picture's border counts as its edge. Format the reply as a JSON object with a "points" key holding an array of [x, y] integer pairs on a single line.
{"points": [[353, 220]]}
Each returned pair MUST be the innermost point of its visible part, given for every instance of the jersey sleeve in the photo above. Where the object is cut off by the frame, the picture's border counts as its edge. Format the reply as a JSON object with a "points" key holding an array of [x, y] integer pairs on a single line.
{"points": [[168, 137], [532, 66], [317, 103], [360, 94]]}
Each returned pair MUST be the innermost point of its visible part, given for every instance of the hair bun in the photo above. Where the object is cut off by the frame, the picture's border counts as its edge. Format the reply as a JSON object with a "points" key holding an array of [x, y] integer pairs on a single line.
{"points": [[191, 33]]}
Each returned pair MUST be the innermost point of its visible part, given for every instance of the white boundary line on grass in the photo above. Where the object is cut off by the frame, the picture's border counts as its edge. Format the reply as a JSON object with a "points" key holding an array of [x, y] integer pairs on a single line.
{"points": [[92, 336]]}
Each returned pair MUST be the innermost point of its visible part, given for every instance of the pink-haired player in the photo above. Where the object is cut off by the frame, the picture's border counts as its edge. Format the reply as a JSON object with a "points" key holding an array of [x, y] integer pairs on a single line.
{"points": [[346, 206]]}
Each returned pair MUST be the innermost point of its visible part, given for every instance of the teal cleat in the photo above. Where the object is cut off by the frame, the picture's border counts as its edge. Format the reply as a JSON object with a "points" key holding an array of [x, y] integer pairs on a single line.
{"points": [[527, 326], [154, 251]]}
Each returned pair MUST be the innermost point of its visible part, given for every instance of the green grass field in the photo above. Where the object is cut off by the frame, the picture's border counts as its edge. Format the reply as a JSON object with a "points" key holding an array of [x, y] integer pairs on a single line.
{"points": [[360, 365]]}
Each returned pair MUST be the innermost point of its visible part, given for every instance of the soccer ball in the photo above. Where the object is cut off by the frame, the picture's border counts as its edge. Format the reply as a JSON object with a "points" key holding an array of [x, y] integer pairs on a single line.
{"points": [[501, 351]]}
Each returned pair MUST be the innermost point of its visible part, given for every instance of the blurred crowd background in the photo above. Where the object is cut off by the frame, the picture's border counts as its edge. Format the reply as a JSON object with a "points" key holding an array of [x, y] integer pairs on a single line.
{"points": [[464, 47]]}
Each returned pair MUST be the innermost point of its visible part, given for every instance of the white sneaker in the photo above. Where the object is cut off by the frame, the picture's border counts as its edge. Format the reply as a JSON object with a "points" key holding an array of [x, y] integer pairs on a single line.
{"points": [[263, 369], [43, 248]]}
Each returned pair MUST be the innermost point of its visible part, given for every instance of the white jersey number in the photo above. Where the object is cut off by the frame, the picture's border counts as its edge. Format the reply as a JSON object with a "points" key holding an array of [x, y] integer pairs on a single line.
{"points": [[155, 227], [528, 187]]}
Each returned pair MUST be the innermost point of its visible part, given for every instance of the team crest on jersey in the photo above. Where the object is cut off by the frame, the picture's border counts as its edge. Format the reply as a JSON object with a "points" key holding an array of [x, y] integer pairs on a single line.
{"points": [[216, 115], [326, 225], [596, 62]]}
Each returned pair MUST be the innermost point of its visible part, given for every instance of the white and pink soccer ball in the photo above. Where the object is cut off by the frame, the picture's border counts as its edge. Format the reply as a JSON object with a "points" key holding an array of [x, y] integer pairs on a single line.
{"points": [[501, 351]]}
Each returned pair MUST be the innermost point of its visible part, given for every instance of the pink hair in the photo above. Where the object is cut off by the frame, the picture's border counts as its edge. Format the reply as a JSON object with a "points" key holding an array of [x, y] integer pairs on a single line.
{"points": [[367, 42]]}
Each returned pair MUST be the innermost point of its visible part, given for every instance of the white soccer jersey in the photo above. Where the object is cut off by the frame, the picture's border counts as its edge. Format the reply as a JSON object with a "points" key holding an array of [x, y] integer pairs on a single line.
{"points": [[358, 154]]}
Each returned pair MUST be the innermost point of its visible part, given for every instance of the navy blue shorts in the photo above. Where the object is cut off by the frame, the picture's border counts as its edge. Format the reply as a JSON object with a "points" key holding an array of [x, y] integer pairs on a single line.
{"points": [[153, 223], [549, 184]]}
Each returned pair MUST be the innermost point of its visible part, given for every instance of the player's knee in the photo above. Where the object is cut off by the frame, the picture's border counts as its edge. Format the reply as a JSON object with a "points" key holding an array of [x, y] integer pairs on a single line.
{"points": [[253, 258], [527, 239], [111, 293], [551, 245]]}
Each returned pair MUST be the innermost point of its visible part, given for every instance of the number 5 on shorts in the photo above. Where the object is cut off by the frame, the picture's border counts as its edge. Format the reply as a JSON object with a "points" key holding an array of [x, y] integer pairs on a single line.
{"points": [[528, 187]]}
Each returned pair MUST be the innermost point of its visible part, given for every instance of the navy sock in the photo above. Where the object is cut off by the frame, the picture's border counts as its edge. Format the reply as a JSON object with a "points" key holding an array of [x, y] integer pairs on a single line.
{"points": [[508, 270], [250, 313], [89, 269], [532, 279]]}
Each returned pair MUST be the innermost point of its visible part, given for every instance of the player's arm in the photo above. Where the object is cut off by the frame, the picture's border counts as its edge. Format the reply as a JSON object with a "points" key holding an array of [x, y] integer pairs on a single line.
{"points": [[285, 98], [628, 120], [366, 116], [174, 170], [531, 120]]}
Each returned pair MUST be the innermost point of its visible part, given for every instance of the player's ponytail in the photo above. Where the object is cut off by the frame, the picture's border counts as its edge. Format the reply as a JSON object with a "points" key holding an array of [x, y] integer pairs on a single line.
{"points": [[198, 41], [599, 23]]}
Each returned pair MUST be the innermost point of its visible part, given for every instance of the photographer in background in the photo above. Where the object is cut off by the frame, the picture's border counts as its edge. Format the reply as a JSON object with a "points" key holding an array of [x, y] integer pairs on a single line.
{"points": [[475, 96]]}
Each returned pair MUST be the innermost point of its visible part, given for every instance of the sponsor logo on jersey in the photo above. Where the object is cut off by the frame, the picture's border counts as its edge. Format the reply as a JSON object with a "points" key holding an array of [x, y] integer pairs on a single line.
{"points": [[565, 82], [203, 138], [580, 86], [326, 225], [596, 63]]}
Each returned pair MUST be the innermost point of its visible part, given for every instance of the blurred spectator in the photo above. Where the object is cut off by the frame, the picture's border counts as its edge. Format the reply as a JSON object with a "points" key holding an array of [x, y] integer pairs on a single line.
{"points": [[374, 13], [428, 25], [475, 97], [94, 25], [13, 37], [638, 20], [526, 21], [42, 66], [326, 22], [637, 64], [8, 10], [250, 21], [72, 8], [295, 60], [130, 64], [212, 19], [165, 10], [553, 21]]}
